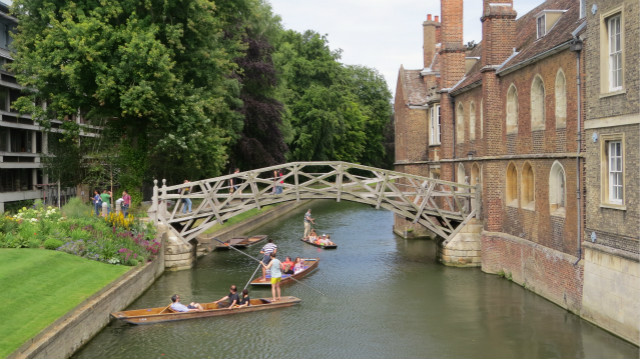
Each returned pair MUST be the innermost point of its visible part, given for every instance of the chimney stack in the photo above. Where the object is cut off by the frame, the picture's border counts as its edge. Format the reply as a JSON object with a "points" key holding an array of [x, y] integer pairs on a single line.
{"points": [[429, 32], [498, 31], [452, 50]]}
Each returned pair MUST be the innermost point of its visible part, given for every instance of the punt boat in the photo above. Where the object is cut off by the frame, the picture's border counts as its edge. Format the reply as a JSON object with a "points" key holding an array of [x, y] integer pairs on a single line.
{"points": [[323, 246], [166, 314], [309, 265], [241, 242]]}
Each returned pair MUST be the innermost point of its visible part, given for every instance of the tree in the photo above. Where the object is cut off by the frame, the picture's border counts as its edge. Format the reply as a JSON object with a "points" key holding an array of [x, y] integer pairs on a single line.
{"points": [[158, 71], [374, 97], [261, 142], [336, 112]]}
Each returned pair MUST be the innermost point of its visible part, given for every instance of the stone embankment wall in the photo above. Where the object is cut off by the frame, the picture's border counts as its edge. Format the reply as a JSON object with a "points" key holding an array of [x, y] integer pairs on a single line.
{"points": [[552, 274], [611, 291], [62, 338]]}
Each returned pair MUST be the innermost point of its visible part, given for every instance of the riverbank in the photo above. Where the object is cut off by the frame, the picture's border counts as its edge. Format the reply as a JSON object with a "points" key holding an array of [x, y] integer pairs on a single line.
{"points": [[33, 280]]}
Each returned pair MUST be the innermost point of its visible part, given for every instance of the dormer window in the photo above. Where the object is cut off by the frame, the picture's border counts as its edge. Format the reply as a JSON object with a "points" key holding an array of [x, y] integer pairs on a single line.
{"points": [[542, 28], [546, 20]]}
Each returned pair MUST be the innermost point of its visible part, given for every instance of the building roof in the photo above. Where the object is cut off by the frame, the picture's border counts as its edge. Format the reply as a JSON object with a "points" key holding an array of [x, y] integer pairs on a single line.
{"points": [[528, 46], [414, 89]]}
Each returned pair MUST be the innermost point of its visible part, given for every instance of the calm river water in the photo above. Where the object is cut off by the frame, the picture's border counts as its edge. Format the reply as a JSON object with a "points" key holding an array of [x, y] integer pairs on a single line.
{"points": [[382, 297]]}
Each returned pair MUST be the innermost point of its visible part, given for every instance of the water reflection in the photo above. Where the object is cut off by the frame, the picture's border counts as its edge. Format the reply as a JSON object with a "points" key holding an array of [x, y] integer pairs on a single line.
{"points": [[383, 297]]}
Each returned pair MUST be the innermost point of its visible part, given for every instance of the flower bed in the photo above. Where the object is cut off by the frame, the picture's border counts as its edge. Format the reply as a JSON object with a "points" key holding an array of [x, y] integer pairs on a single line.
{"points": [[114, 239]]}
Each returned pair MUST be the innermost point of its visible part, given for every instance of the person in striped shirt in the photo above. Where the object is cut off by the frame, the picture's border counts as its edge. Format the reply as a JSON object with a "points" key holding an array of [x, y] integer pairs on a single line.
{"points": [[266, 251]]}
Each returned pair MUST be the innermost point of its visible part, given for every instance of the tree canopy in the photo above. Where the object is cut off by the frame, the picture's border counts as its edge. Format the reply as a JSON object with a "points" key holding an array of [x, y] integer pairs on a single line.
{"points": [[189, 88]]}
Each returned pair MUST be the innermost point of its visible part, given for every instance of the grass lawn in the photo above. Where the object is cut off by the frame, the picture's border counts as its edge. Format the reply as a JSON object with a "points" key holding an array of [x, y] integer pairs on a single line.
{"points": [[236, 219], [39, 286]]}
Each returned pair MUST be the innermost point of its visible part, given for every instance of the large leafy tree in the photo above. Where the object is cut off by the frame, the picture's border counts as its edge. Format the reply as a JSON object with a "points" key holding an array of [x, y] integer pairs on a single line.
{"points": [[156, 72], [335, 112], [374, 97], [261, 142]]}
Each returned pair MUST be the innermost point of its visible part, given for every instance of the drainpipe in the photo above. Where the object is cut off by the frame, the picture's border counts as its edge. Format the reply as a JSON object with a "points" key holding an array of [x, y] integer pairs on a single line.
{"points": [[576, 46]]}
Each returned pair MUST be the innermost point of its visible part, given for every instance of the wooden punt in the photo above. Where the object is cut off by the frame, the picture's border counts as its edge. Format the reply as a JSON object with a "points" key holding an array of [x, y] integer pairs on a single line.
{"points": [[330, 246], [165, 314], [310, 265], [241, 242]]}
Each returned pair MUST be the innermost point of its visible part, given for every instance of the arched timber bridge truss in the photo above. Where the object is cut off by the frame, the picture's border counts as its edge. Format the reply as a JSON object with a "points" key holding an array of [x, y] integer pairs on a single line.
{"points": [[441, 206]]}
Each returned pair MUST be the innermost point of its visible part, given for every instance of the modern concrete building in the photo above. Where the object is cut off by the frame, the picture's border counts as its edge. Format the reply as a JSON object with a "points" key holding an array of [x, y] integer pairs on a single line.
{"points": [[22, 140]]}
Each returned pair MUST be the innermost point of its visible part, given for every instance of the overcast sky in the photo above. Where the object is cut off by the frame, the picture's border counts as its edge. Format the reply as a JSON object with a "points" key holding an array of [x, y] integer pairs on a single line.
{"points": [[382, 34]]}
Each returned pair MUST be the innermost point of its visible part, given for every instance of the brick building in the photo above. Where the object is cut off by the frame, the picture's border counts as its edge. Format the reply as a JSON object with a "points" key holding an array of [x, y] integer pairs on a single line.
{"points": [[612, 175], [509, 114]]}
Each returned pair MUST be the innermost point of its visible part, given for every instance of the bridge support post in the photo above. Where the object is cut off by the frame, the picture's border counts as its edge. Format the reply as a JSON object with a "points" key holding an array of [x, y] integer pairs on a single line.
{"points": [[463, 250], [178, 254]]}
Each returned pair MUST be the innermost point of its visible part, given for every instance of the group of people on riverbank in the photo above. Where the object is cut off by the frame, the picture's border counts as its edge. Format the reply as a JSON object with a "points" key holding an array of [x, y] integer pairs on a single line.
{"points": [[105, 197]]}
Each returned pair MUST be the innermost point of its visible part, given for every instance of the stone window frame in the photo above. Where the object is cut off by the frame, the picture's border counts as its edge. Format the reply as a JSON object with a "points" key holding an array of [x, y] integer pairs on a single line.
{"points": [[476, 174], [607, 196], [461, 175], [472, 121], [541, 26], [537, 109], [434, 126], [511, 190], [528, 187], [607, 88], [460, 123], [561, 99], [512, 109], [557, 190]]}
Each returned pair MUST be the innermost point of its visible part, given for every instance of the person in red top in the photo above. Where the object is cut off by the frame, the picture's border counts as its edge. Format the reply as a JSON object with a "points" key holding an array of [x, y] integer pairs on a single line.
{"points": [[287, 266], [126, 203]]}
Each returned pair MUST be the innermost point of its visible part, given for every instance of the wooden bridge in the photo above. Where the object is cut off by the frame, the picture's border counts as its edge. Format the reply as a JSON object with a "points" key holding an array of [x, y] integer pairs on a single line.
{"points": [[441, 206]]}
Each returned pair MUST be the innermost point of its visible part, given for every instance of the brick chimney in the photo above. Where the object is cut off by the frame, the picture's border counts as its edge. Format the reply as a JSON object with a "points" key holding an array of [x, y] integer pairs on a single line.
{"points": [[452, 51], [498, 31], [430, 29], [438, 35]]}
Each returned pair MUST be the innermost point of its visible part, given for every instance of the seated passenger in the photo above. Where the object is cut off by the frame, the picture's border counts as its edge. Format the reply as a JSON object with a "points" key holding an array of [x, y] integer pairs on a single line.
{"points": [[287, 266], [179, 307], [312, 236], [244, 301], [298, 265], [232, 298]]}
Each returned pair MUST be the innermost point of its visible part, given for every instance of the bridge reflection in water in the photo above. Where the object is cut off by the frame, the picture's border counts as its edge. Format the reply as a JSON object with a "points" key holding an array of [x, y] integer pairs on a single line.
{"points": [[386, 297]]}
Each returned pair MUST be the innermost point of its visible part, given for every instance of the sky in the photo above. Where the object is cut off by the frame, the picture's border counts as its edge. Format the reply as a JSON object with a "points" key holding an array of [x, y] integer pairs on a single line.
{"points": [[380, 34]]}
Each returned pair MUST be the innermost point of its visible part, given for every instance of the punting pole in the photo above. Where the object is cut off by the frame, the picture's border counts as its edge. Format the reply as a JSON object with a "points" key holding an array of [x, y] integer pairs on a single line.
{"points": [[253, 275], [259, 261]]}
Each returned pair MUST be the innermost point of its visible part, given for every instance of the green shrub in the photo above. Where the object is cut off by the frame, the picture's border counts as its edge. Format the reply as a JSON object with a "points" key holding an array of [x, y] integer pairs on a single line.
{"points": [[34, 242], [53, 243], [8, 224], [15, 241], [75, 208]]}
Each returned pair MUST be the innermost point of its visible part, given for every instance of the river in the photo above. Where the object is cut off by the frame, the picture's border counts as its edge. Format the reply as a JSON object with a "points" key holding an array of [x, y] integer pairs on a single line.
{"points": [[376, 296]]}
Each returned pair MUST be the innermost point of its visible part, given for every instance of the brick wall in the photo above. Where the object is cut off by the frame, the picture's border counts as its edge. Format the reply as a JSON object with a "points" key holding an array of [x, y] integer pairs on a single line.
{"points": [[605, 220], [547, 272]]}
